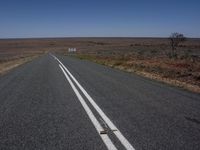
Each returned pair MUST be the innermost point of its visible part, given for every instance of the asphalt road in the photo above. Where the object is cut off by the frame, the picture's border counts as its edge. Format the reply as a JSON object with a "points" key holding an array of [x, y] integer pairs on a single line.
{"points": [[66, 103]]}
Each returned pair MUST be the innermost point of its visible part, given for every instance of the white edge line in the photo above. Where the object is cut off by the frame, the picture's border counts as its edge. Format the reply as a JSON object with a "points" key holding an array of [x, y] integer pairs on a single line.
{"points": [[118, 134], [93, 119]]}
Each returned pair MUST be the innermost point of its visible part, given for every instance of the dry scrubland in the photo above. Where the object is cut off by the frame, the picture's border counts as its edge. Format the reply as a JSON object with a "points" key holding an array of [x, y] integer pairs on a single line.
{"points": [[148, 57], [17, 52], [145, 56]]}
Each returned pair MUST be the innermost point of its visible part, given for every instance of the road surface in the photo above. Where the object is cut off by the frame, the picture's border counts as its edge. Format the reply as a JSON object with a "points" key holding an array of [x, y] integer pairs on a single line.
{"points": [[58, 102]]}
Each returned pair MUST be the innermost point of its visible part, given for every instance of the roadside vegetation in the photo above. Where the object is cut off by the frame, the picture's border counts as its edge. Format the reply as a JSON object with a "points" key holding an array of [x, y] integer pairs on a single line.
{"points": [[15, 53], [9, 64], [175, 61]]}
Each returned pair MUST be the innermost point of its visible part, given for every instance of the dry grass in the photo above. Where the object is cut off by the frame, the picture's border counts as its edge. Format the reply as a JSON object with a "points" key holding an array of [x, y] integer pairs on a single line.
{"points": [[9, 65], [145, 56], [181, 73], [149, 58], [17, 52]]}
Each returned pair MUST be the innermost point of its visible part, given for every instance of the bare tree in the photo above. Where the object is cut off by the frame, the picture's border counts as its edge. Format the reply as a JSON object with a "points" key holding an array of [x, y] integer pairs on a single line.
{"points": [[175, 40]]}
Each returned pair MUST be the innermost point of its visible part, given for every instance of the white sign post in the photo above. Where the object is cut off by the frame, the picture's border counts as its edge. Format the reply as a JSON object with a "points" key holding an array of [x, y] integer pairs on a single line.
{"points": [[71, 49]]}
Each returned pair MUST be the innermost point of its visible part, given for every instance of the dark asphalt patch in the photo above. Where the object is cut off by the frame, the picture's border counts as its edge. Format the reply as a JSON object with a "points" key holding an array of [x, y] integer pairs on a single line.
{"points": [[193, 120]]}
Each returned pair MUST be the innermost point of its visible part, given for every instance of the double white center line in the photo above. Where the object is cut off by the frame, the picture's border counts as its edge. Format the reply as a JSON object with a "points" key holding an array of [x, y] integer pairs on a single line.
{"points": [[92, 117]]}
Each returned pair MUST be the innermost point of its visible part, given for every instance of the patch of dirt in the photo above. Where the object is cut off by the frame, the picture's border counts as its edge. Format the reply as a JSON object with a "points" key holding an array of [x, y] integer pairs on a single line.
{"points": [[9, 65]]}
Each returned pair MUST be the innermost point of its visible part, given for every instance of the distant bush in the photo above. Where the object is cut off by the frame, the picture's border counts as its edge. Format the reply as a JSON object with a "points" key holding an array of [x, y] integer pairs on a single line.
{"points": [[175, 40]]}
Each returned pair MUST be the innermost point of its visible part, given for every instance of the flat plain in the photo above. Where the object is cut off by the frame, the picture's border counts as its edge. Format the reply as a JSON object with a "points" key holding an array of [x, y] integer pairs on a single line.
{"points": [[145, 56]]}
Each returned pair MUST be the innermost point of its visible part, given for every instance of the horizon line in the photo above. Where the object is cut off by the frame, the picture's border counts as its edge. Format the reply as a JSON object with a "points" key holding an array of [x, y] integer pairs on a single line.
{"points": [[73, 37]]}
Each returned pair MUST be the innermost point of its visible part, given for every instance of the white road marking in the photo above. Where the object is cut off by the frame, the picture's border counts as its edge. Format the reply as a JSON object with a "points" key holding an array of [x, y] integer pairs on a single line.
{"points": [[93, 119], [111, 125]]}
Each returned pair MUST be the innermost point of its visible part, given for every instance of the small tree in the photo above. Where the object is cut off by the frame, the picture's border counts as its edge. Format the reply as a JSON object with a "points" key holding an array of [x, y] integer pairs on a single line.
{"points": [[175, 40]]}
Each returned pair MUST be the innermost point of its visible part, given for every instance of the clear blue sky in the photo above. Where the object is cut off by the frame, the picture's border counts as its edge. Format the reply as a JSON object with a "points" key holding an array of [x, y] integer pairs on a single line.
{"points": [[86, 18]]}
